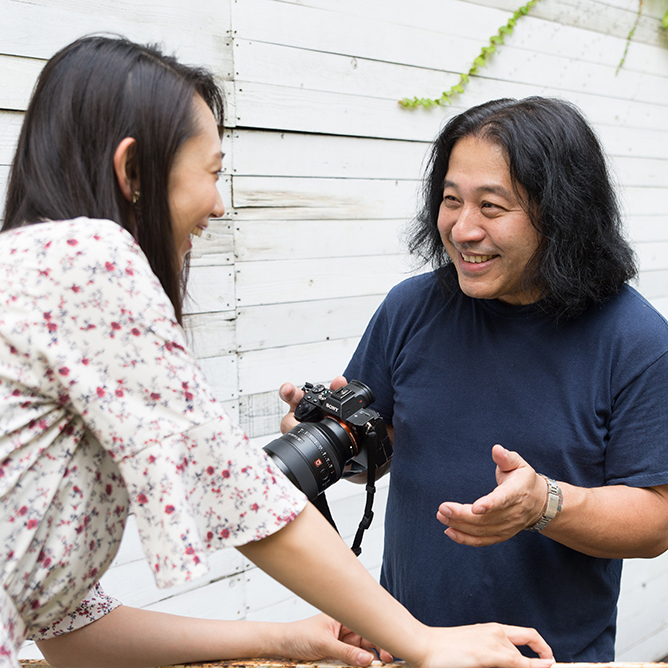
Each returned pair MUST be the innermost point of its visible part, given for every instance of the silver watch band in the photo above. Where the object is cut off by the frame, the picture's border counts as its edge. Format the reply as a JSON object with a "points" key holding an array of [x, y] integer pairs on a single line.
{"points": [[555, 500]]}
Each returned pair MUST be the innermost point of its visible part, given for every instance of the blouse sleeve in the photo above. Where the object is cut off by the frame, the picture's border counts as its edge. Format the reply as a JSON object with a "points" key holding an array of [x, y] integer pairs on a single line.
{"points": [[95, 606], [118, 359]]}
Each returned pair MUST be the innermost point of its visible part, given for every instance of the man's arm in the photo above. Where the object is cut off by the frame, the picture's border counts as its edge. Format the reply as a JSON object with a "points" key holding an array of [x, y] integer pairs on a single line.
{"points": [[616, 522]]}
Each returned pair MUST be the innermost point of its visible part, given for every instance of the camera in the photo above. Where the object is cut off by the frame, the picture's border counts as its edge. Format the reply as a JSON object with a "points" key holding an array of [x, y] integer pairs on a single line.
{"points": [[337, 429]]}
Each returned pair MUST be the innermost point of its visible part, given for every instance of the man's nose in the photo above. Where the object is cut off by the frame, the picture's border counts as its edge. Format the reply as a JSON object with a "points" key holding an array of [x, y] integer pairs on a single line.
{"points": [[467, 228]]}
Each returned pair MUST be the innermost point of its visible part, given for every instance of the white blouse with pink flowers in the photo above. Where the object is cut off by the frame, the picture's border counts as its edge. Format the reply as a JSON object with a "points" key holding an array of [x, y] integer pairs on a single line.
{"points": [[103, 411]]}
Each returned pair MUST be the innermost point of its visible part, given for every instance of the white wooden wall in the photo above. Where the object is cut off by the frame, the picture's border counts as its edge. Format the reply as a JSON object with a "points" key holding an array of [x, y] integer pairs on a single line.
{"points": [[321, 172]]}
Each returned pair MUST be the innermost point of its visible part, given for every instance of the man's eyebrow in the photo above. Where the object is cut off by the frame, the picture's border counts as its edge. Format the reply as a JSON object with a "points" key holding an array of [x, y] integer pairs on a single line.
{"points": [[493, 189]]}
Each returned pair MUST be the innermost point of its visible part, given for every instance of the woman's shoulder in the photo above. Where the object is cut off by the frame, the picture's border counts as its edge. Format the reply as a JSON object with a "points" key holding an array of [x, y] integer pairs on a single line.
{"points": [[51, 236]]}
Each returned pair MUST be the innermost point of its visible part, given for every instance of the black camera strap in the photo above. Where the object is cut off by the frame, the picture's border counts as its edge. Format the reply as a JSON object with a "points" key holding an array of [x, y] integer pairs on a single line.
{"points": [[320, 502], [367, 518]]}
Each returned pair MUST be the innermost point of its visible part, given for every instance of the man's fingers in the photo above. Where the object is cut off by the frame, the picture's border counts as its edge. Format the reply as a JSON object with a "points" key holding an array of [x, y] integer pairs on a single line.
{"points": [[506, 460], [290, 394], [473, 540], [338, 382]]}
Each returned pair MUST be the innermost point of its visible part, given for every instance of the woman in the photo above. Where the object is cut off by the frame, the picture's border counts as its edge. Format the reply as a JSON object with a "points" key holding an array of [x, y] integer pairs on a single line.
{"points": [[105, 410]]}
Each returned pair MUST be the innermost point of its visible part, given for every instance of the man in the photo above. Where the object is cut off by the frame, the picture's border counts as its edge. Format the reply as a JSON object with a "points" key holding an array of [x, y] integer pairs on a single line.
{"points": [[526, 335]]}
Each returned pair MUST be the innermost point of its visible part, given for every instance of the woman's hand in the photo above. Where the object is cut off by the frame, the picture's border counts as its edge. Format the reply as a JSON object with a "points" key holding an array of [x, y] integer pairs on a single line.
{"points": [[482, 646], [322, 637]]}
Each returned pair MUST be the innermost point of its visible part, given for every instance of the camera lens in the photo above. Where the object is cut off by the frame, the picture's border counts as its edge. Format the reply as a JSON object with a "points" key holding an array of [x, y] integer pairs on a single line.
{"points": [[312, 454]]}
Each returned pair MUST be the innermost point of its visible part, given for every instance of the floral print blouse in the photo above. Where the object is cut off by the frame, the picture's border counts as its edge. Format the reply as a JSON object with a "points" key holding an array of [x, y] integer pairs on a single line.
{"points": [[104, 411]]}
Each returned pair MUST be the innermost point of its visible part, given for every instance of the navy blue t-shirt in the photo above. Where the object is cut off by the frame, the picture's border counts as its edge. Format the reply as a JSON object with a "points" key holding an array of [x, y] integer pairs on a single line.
{"points": [[584, 402]]}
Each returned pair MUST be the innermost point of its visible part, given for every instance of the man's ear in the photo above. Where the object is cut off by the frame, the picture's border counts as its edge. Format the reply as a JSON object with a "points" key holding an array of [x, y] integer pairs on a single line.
{"points": [[124, 167]]}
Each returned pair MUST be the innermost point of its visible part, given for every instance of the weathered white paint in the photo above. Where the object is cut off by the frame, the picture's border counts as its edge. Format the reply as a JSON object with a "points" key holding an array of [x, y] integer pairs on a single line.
{"points": [[321, 174]]}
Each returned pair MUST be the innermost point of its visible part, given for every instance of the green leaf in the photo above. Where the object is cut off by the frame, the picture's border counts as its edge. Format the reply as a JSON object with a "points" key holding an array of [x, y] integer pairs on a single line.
{"points": [[665, 21]]}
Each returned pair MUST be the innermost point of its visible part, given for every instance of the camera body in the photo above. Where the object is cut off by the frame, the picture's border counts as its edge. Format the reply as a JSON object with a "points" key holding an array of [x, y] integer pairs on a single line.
{"points": [[336, 429]]}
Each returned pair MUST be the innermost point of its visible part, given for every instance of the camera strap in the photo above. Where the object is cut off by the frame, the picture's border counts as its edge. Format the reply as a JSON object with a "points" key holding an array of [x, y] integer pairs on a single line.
{"points": [[320, 502], [367, 518]]}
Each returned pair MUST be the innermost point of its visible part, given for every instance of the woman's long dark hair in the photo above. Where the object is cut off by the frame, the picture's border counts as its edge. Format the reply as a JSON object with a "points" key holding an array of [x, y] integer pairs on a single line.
{"points": [[552, 152], [90, 96]]}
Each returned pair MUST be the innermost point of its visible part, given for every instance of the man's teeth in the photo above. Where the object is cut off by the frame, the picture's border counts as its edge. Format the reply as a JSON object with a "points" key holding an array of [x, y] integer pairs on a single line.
{"points": [[197, 231], [477, 258]]}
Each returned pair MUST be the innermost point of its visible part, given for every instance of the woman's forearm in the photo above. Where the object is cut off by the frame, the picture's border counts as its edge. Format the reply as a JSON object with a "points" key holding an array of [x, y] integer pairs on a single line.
{"points": [[134, 638], [309, 557]]}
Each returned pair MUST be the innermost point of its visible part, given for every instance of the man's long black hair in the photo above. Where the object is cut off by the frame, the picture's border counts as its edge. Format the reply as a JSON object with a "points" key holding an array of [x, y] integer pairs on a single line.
{"points": [[553, 153]]}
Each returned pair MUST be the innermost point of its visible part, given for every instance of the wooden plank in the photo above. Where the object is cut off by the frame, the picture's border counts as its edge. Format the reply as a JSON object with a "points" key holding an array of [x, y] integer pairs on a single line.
{"points": [[593, 16], [258, 240], [440, 33], [221, 372], [275, 107], [643, 172], [211, 334], [197, 32], [260, 153], [622, 140], [17, 79], [216, 245], [260, 414], [258, 62], [653, 284], [133, 583], [288, 281], [644, 201], [266, 198], [277, 325], [648, 228], [10, 127], [578, 61], [643, 609], [653, 255], [223, 599], [210, 289], [267, 370]]}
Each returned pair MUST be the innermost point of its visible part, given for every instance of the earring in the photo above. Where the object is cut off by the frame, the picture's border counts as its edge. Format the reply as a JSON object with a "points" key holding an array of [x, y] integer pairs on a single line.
{"points": [[135, 196]]}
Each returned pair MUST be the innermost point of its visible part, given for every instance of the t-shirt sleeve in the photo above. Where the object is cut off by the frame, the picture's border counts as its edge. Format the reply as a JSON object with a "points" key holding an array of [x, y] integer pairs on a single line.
{"points": [[95, 606], [636, 452], [118, 360]]}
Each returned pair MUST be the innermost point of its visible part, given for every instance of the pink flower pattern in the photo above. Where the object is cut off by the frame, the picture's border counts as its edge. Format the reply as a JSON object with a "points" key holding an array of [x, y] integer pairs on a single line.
{"points": [[104, 411]]}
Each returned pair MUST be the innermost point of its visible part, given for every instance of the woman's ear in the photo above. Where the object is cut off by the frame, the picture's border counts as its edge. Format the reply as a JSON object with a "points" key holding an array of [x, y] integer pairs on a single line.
{"points": [[123, 166]]}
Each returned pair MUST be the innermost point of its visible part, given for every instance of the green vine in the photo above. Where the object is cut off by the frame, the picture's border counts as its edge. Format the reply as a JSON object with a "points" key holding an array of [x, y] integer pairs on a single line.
{"points": [[630, 36], [480, 62], [664, 23]]}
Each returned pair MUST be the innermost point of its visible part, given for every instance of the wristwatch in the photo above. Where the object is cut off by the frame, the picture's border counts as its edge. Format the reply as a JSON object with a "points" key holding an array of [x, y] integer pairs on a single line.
{"points": [[555, 499]]}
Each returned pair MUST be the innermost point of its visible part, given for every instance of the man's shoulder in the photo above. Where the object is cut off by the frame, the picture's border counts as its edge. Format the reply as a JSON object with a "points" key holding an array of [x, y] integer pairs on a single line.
{"points": [[415, 293], [633, 313]]}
